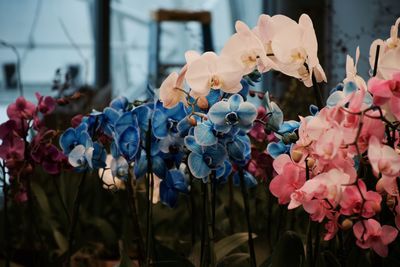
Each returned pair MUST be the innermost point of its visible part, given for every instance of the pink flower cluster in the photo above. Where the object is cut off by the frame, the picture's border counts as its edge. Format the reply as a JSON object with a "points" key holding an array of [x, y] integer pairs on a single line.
{"points": [[26, 142], [325, 173]]}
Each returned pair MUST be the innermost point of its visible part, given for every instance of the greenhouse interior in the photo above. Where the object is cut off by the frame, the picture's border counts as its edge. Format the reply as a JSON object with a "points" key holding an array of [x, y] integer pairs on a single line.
{"points": [[213, 133]]}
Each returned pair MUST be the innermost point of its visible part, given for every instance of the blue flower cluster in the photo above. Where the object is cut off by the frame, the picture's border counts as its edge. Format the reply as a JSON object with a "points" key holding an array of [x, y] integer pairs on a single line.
{"points": [[206, 142]]}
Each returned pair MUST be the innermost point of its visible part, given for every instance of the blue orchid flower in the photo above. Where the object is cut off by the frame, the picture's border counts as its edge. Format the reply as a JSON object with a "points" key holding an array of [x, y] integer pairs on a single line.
{"points": [[340, 92], [232, 113], [158, 164], [204, 133], [120, 103], [203, 159], [166, 120], [223, 172], [127, 136], [238, 147], [119, 165], [287, 137], [99, 156], [81, 157], [143, 114], [170, 187], [277, 148], [249, 179], [73, 137], [172, 148]]}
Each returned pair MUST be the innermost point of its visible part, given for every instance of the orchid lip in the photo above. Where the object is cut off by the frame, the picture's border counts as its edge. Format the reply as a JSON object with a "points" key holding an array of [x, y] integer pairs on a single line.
{"points": [[231, 118]]}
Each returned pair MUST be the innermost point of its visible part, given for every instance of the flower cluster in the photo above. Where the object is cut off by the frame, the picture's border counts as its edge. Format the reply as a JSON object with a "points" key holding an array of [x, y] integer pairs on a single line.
{"points": [[326, 168], [26, 142]]}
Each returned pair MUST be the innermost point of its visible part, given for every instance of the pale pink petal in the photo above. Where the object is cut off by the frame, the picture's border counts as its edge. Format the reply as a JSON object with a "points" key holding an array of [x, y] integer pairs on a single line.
{"points": [[280, 162], [389, 234], [198, 77], [374, 153], [380, 249], [395, 106], [191, 56]]}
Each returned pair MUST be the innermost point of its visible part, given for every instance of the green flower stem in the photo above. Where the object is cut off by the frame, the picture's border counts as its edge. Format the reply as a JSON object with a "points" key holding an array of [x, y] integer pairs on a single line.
{"points": [[6, 230], [247, 212], [310, 245], [203, 225], [210, 239], [75, 217], [149, 193], [214, 203], [317, 92], [58, 192], [135, 219]]}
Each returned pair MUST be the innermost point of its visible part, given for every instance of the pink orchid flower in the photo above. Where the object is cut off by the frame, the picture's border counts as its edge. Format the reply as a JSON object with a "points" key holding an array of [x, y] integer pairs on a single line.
{"points": [[351, 71], [370, 234], [46, 104], [384, 160], [12, 150], [21, 109], [290, 178], [331, 226], [295, 46], [246, 49], [210, 71], [386, 93], [327, 186], [389, 54], [356, 198], [170, 89]]}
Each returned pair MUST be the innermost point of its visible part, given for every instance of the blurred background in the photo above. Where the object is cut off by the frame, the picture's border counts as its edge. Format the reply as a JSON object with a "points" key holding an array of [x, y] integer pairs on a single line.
{"points": [[105, 44]]}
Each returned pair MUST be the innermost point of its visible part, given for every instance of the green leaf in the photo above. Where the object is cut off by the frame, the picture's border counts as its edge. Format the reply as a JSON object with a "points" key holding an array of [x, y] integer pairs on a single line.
{"points": [[289, 251], [60, 240], [41, 198], [358, 257], [229, 243]]}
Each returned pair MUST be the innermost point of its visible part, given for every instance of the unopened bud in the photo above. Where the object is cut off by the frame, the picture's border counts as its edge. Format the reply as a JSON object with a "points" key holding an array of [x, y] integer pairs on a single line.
{"points": [[379, 186], [296, 155], [192, 121], [390, 201], [347, 224], [310, 162], [202, 102]]}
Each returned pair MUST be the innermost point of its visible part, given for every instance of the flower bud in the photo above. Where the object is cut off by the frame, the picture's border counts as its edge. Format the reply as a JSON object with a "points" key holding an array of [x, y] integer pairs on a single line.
{"points": [[296, 155], [202, 102], [347, 224], [310, 162], [390, 201], [192, 121], [379, 186]]}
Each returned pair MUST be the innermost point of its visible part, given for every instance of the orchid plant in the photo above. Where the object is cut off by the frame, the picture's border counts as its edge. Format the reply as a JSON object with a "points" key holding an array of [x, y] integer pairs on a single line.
{"points": [[340, 163]]}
